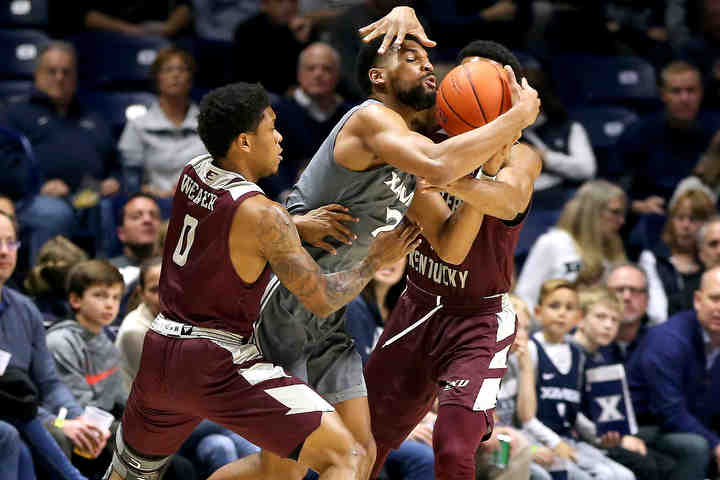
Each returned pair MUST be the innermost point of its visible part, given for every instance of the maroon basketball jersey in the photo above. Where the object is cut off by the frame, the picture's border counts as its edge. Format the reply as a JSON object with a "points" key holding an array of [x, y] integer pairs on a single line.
{"points": [[487, 269], [198, 284]]}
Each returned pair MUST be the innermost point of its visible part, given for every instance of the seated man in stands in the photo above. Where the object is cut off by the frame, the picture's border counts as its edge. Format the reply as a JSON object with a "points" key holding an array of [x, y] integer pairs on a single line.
{"points": [[73, 147]]}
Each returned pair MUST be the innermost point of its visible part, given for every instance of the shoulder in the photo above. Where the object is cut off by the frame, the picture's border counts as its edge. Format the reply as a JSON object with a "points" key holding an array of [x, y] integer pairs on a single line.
{"points": [[61, 334], [374, 117], [555, 238], [17, 300]]}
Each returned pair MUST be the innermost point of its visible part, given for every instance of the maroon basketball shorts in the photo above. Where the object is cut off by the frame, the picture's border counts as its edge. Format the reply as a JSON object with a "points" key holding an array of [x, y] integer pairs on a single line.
{"points": [[428, 349], [181, 381]]}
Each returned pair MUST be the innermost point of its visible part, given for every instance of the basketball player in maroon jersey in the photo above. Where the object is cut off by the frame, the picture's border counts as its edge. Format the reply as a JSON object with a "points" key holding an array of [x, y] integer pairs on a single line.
{"points": [[450, 332], [199, 358]]}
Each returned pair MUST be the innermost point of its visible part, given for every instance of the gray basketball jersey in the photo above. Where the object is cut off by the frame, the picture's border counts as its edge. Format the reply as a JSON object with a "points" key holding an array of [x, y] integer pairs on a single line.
{"points": [[379, 198]]}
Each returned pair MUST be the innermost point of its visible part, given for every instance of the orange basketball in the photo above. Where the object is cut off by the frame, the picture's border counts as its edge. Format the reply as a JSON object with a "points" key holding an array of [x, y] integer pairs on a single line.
{"points": [[471, 95]]}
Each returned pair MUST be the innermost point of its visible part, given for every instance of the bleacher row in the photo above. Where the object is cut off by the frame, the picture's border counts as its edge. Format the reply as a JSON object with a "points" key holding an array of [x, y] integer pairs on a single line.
{"points": [[604, 94]]}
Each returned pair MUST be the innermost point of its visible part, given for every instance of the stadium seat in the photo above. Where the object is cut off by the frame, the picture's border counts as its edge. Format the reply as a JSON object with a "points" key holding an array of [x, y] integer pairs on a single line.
{"points": [[626, 81], [24, 13], [117, 107], [27, 173], [18, 51], [112, 61], [12, 89], [604, 125]]}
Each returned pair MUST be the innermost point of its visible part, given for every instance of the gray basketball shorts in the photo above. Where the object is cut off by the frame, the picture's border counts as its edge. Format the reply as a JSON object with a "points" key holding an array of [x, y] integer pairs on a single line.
{"points": [[316, 350]]}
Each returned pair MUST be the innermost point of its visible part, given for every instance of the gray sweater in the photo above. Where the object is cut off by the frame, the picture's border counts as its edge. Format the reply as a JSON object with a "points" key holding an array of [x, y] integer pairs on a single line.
{"points": [[88, 363]]}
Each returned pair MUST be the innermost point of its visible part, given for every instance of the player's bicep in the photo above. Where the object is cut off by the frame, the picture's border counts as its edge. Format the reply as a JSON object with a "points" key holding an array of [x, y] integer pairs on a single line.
{"points": [[280, 245], [388, 137]]}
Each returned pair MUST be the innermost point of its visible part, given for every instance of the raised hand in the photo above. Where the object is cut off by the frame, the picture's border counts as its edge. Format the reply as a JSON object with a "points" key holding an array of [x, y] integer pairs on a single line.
{"points": [[524, 97], [399, 22]]}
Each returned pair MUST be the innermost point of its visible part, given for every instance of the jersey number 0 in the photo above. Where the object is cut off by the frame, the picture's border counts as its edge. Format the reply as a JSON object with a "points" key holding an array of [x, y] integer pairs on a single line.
{"points": [[185, 241]]}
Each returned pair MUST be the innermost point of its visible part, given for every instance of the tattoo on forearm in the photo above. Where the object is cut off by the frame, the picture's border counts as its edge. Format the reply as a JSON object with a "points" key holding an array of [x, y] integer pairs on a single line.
{"points": [[298, 271]]}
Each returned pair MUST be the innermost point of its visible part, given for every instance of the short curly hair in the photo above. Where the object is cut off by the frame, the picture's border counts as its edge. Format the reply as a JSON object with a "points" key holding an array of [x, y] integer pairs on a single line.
{"points": [[493, 51], [228, 111]]}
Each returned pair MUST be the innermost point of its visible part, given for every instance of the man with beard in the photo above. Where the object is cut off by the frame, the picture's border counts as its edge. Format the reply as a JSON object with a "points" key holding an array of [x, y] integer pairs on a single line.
{"points": [[368, 164], [449, 335], [138, 231]]}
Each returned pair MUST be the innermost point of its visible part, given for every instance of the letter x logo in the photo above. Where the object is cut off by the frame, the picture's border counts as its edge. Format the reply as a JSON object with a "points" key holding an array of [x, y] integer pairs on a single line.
{"points": [[609, 406]]}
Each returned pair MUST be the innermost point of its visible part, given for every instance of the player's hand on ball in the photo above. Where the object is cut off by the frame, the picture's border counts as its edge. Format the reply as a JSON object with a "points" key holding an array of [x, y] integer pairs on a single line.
{"points": [[391, 246], [524, 97], [395, 25], [327, 221]]}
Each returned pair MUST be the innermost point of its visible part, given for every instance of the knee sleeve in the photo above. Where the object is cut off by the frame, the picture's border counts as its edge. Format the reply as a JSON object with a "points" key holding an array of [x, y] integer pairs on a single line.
{"points": [[457, 435], [132, 466]]}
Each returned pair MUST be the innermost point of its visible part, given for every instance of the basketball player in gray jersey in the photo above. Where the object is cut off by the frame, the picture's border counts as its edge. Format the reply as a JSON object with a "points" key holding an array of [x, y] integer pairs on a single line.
{"points": [[369, 164]]}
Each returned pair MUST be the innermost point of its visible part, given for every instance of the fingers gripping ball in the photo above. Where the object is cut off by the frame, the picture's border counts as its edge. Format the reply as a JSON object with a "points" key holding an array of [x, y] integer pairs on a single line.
{"points": [[471, 95]]}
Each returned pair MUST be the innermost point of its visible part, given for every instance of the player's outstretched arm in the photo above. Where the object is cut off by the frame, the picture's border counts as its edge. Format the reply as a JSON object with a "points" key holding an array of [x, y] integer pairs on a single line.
{"points": [[505, 197], [387, 136], [322, 293], [399, 22]]}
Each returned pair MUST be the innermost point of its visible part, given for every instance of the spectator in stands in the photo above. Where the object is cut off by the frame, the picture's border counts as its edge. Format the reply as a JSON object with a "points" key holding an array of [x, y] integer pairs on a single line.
{"points": [[673, 266], [563, 145], [674, 376], [616, 428], [131, 335], [140, 17], [559, 365], [155, 147], [630, 283], [690, 451], [138, 230], [23, 336], [140, 223], [706, 174], [307, 115], [47, 280], [73, 147], [15, 457], [455, 23], [86, 359], [582, 244], [517, 404], [281, 21], [709, 243], [638, 28], [365, 320], [216, 19], [680, 135]]}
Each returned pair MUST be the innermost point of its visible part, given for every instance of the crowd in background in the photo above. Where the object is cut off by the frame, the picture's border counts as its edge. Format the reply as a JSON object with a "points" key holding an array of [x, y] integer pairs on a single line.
{"points": [[618, 267]]}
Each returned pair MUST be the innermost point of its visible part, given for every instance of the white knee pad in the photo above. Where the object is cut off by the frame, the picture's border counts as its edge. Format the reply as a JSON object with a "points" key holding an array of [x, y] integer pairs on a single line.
{"points": [[132, 466]]}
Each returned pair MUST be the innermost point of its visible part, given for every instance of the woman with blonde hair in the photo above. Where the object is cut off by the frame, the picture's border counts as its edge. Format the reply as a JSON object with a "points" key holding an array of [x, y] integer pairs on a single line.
{"points": [[583, 242], [673, 267], [46, 282]]}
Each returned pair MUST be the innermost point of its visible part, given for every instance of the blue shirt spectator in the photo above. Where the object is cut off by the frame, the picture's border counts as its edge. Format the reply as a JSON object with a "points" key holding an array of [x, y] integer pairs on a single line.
{"points": [[674, 377], [679, 136]]}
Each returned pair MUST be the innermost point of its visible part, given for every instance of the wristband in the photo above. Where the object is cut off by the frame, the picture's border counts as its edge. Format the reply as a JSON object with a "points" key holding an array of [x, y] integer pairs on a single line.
{"points": [[484, 176]]}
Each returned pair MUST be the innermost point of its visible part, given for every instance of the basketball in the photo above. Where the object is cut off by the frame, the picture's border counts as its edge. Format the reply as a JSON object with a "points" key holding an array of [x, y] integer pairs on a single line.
{"points": [[471, 95]]}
